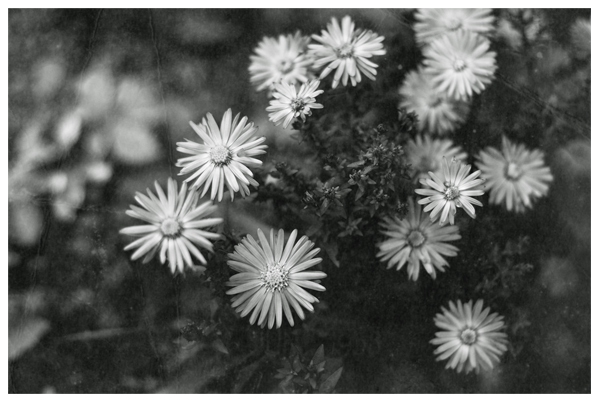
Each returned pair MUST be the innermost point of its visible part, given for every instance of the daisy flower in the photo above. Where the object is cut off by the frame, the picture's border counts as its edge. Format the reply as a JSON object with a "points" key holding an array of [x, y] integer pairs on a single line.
{"points": [[417, 241], [271, 278], [438, 114], [176, 225], [470, 338], [347, 51], [460, 63], [280, 60], [433, 23], [224, 156], [289, 104], [516, 175], [425, 154], [455, 190]]}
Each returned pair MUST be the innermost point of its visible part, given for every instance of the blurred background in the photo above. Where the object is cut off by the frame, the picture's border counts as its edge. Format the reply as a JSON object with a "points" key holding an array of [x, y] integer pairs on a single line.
{"points": [[97, 101]]}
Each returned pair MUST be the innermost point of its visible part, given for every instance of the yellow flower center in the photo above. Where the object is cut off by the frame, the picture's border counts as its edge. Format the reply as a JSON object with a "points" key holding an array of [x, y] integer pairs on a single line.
{"points": [[459, 65], [170, 227], [435, 101], [275, 277], [468, 336], [345, 51], [220, 155], [453, 24], [416, 238], [286, 66], [513, 171], [297, 105], [451, 193]]}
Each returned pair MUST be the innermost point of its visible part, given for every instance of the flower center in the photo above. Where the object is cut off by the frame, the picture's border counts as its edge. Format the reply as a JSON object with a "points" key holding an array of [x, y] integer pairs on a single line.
{"points": [[169, 227], [286, 66], [275, 277], [220, 155], [453, 24], [345, 51], [451, 193], [435, 101], [513, 171], [459, 65], [297, 105], [416, 238], [468, 336]]}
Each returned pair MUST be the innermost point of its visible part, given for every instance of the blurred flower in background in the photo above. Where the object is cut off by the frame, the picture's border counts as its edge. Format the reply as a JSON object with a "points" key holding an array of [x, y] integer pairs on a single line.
{"points": [[515, 176], [347, 51], [416, 240], [176, 226], [284, 59], [581, 37], [223, 157], [65, 148], [433, 23], [426, 154], [272, 278], [438, 113], [289, 104], [460, 63], [470, 338]]}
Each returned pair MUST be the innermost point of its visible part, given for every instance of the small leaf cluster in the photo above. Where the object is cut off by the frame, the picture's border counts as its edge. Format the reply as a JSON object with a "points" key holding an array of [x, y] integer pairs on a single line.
{"points": [[299, 377]]}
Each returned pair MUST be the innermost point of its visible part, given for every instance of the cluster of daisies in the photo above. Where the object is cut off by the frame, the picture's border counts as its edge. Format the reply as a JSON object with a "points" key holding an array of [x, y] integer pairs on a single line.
{"points": [[271, 273], [514, 176], [287, 67], [457, 64], [272, 276]]}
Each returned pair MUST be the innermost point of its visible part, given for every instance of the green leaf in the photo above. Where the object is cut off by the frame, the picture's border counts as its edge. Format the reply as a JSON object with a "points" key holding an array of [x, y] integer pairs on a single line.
{"points": [[24, 334], [219, 346], [319, 356], [329, 384]]}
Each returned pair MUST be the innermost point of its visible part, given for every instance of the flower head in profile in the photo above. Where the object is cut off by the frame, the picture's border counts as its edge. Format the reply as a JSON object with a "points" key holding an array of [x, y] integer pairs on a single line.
{"points": [[433, 23], [456, 189], [470, 339], [223, 157], [417, 241], [437, 112], [426, 154], [272, 279], [284, 59], [346, 51], [290, 104], [515, 175], [460, 63], [175, 227]]}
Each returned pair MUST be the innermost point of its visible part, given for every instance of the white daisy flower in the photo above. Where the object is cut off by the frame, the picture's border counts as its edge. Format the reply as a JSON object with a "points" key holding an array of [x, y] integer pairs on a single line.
{"points": [[347, 51], [460, 63], [271, 278], [433, 23], [224, 156], [426, 154], [455, 190], [438, 113], [417, 241], [470, 338], [515, 175], [289, 104], [284, 59], [176, 226]]}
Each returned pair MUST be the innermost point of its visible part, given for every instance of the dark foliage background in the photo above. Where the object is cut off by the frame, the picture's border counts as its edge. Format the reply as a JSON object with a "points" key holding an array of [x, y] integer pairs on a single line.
{"points": [[97, 101]]}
